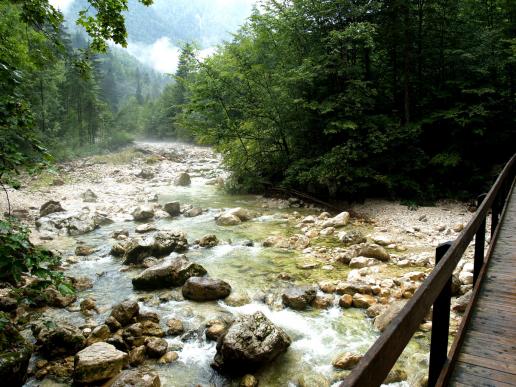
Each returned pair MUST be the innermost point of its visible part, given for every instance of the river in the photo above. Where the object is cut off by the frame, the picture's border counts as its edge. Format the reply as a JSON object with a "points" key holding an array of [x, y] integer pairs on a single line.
{"points": [[257, 275]]}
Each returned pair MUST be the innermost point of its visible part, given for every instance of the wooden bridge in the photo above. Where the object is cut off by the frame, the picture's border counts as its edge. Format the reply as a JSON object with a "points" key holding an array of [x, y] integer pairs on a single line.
{"points": [[484, 350]]}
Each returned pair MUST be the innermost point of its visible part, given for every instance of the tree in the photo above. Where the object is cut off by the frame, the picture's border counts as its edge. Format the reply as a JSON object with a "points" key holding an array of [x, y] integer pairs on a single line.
{"points": [[352, 98]]}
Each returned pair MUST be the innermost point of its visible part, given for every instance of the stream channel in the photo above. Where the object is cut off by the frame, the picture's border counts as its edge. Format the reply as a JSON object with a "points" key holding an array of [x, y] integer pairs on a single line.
{"points": [[318, 335]]}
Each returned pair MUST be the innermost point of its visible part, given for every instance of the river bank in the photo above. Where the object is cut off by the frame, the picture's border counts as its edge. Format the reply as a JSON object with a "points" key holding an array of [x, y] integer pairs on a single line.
{"points": [[328, 281]]}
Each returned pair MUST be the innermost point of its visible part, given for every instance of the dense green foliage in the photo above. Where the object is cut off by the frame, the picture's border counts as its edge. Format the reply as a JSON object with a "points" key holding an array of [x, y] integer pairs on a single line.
{"points": [[18, 256], [350, 98], [59, 93], [50, 95], [166, 118], [342, 98]]}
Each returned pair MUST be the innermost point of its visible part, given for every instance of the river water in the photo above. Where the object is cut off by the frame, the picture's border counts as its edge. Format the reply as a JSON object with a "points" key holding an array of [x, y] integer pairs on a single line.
{"points": [[318, 336]]}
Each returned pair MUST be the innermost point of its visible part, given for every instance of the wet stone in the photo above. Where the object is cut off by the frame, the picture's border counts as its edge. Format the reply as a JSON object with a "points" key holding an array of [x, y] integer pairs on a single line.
{"points": [[156, 347], [205, 289], [298, 298], [98, 362], [175, 327]]}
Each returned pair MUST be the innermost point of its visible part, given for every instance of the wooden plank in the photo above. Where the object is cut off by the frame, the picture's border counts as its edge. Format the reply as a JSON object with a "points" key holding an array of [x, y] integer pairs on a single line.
{"points": [[500, 315], [491, 328], [487, 373], [481, 346], [483, 322], [505, 322], [503, 297], [495, 304], [466, 379], [492, 337], [458, 384], [489, 310], [488, 363], [492, 352], [501, 285]]}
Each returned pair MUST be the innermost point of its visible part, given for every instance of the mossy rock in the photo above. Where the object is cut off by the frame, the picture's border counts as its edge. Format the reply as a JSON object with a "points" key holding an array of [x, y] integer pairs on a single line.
{"points": [[15, 354]]}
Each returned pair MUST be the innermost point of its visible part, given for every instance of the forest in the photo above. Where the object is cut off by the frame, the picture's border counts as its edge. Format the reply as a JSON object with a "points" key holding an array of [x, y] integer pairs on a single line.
{"points": [[363, 98], [342, 99]]}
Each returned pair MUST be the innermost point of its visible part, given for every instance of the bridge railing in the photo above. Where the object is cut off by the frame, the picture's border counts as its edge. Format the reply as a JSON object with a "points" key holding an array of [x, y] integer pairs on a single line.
{"points": [[436, 291]]}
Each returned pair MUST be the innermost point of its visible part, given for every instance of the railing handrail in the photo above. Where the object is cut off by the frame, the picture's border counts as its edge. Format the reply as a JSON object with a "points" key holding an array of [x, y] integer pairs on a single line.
{"points": [[383, 354]]}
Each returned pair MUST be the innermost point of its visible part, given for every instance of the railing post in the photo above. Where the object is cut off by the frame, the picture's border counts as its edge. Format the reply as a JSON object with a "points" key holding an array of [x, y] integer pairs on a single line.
{"points": [[440, 323], [480, 240], [495, 213]]}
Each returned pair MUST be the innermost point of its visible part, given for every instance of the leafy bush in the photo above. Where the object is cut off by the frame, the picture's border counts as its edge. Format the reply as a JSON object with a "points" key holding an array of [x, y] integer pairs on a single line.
{"points": [[19, 256]]}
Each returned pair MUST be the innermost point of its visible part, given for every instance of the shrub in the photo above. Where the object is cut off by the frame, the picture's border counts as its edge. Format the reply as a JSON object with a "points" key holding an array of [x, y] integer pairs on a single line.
{"points": [[19, 256]]}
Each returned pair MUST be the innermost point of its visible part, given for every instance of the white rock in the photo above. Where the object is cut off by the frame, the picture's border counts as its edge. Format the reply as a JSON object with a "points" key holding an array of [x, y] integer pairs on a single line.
{"points": [[327, 231], [383, 239], [309, 219], [339, 220], [468, 266], [97, 362], [466, 277], [360, 262]]}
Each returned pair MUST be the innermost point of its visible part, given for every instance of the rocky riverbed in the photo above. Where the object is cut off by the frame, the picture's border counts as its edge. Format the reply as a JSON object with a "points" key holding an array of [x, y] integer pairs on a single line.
{"points": [[178, 281]]}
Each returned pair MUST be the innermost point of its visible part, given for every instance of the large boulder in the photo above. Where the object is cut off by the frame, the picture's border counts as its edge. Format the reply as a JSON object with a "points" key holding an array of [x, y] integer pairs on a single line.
{"points": [[156, 347], [346, 361], [99, 361], [15, 354], [227, 220], [233, 216], [125, 312], [339, 220], [374, 251], [143, 213], [183, 179], [71, 223], [208, 240], [166, 242], [99, 333], [363, 301], [172, 208], [383, 319], [53, 297], [57, 341], [139, 378], [352, 237], [277, 241], [193, 212], [205, 289], [298, 298], [135, 251], [50, 207], [160, 245], [170, 273], [250, 342], [360, 262], [89, 196], [241, 213]]}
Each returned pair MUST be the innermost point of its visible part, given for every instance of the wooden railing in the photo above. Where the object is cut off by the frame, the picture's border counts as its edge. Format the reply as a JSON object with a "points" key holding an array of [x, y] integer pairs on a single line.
{"points": [[436, 291]]}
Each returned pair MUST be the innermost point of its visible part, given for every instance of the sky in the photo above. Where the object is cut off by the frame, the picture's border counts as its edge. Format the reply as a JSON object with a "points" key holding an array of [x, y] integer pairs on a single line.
{"points": [[162, 55], [62, 5]]}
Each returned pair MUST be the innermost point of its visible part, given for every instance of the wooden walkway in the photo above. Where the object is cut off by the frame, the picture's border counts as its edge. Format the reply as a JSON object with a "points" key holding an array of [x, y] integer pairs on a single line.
{"points": [[488, 354]]}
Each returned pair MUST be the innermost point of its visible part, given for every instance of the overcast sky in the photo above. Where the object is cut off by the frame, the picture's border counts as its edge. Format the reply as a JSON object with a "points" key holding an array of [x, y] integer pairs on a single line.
{"points": [[162, 55]]}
